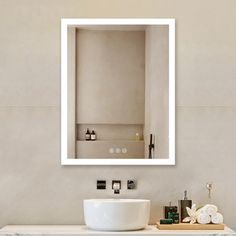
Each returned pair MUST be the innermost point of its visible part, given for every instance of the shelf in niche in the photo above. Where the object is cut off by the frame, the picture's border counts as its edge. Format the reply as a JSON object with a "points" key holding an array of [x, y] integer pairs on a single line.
{"points": [[110, 140], [110, 124], [108, 132]]}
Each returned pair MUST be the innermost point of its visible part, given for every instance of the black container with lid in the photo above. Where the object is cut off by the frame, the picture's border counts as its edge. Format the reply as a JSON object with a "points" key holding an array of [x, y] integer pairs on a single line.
{"points": [[87, 135], [168, 209]]}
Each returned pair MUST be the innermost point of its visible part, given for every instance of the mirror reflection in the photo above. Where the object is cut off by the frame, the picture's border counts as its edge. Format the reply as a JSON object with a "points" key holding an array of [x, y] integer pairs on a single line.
{"points": [[118, 92]]}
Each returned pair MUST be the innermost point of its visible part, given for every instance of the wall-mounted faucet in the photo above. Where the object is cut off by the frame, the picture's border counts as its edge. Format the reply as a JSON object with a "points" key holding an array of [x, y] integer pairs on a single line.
{"points": [[131, 184], [101, 184], [151, 147], [116, 186]]}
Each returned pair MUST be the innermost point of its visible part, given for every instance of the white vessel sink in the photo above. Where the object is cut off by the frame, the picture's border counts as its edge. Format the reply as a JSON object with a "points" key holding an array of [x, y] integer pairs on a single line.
{"points": [[116, 214]]}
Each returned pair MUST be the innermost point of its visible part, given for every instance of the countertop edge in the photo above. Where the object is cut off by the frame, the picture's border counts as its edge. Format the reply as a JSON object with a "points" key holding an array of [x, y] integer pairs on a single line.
{"points": [[65, 230]]}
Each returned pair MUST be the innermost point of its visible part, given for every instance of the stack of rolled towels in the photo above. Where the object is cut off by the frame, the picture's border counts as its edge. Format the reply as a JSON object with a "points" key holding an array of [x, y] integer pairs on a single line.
{"points": [[209, 214]]}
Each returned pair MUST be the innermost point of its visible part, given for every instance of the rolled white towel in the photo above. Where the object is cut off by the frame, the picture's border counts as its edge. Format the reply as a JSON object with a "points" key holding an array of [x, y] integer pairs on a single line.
{"points": [[203, 218], [217, 218], [209, 209]]}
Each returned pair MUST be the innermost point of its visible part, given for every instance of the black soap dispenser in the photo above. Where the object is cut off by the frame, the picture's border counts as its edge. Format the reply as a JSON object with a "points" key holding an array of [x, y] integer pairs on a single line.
{"points": [[182, 206], [87, 135]]}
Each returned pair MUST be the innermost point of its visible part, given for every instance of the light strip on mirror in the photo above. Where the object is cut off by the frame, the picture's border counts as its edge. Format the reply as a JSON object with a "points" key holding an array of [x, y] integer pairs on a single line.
{"points": [[64, 26], [65, 23], [172, 91]]}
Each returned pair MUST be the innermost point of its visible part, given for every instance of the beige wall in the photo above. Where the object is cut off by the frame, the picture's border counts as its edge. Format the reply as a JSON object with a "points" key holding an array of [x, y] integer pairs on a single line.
{"points": [[110, 76], [36, 189], [157, 90], [71, 92]]}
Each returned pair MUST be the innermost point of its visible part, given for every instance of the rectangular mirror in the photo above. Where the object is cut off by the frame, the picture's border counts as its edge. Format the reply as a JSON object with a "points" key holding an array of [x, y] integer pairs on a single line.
{"points": [[118, 91]]}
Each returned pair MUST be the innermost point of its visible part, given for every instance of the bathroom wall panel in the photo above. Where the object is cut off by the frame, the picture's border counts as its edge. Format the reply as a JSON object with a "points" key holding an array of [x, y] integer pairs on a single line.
{"points": [[110, 76], [119, 149], [207, 123], [204, 83], [157, 90], [30, 56], [71, 91]]}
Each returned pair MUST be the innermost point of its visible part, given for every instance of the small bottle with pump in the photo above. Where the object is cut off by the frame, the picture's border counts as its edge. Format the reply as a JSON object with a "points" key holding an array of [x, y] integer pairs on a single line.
{"points": [[93, 136], [87, 135]]}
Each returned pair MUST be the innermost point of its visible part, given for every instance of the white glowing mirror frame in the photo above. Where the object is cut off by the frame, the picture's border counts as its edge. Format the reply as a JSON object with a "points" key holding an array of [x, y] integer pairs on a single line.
{"points": [[65, 23]]}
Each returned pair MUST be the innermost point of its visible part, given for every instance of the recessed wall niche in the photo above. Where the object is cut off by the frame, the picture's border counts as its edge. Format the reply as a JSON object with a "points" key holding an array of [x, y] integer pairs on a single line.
{"points": [[110, 97]]}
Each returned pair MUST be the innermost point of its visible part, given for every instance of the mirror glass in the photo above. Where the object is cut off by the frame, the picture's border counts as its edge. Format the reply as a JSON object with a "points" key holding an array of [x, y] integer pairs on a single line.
{"points": [[118, 91]]}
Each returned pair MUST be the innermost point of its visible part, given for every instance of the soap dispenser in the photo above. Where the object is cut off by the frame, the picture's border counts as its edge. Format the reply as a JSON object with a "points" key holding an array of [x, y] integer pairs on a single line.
{"points": [[182, 206], [87, 135], [93, 136]]}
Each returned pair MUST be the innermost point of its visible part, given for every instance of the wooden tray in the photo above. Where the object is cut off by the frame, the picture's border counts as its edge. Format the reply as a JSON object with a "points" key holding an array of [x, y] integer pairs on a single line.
{"points": [[188, 226]]}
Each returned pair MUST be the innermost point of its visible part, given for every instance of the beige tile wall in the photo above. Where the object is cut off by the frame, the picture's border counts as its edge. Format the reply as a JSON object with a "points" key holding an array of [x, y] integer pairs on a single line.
{"points": [[157, 90], [110, 76], [36, 189]]}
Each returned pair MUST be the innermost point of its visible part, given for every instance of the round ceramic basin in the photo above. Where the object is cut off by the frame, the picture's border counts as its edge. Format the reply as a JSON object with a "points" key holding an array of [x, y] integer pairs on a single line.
{"points": [[116, 214]]}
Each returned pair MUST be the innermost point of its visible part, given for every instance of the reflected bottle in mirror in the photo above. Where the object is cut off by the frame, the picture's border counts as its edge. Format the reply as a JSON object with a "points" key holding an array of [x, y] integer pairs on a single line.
{"points": [[87, 135], [93, 136]]}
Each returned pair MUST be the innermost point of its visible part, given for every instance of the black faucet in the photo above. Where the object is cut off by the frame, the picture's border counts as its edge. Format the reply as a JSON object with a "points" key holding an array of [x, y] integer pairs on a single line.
{"points": [[150, 147]]}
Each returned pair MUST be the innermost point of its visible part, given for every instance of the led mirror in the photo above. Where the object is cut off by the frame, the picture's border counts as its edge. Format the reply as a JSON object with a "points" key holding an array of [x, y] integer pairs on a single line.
{"points": [[118, 91]]}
